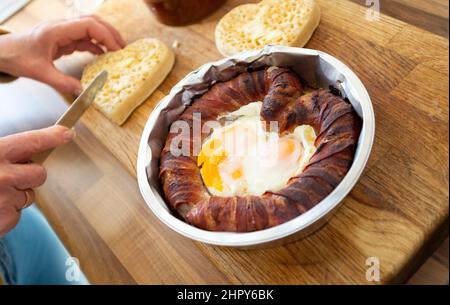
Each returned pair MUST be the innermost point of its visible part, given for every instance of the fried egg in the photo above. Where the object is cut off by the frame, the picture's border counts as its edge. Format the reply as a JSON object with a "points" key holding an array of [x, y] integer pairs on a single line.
{"points": [[245, 157]]}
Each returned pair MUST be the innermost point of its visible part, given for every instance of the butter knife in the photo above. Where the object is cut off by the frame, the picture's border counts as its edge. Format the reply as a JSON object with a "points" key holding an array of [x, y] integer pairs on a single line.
{"points": [[76, 110]]}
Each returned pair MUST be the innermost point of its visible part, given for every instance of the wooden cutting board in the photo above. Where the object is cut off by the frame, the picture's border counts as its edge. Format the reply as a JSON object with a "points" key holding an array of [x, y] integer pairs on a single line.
{"points": [[399, 206], [396, 213]]}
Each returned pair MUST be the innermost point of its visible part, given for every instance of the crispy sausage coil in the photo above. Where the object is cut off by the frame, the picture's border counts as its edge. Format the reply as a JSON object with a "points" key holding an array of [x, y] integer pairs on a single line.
{"points": [[334, 120]]}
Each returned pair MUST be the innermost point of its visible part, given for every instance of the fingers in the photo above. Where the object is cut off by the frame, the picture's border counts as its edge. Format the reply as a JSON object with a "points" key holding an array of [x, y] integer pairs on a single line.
{"points": [[23, 176], [51, 40], [98, 31], [24, 145], [88, 28], [9, 218], [89, 46], [112, 29], [18, 199], [80, 45], [58, 80], [11, 202]]}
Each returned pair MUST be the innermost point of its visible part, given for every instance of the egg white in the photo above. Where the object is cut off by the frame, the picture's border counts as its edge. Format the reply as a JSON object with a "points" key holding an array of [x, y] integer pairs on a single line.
{"points": [[254, 159]]}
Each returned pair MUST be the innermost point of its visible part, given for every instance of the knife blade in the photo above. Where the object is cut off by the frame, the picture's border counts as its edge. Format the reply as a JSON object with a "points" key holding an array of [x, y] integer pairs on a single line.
{"points": [[76, 110]]}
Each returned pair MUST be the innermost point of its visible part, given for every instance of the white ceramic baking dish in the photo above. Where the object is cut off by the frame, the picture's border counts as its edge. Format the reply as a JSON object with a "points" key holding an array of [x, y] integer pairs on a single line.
{"points": [[315, 67]]}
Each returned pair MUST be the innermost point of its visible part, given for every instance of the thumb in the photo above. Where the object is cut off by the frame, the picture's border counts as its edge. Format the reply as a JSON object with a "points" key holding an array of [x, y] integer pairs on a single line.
{"points": [[60, 81]]}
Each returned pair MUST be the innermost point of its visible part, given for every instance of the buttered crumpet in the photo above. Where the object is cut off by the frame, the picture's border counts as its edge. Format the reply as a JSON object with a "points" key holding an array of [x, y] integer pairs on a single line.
{"points": [[278, 22], [134, 73]]}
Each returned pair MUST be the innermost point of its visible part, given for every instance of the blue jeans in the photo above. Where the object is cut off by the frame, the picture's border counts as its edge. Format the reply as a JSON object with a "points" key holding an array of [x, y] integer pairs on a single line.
{"points": [[32, 254]]}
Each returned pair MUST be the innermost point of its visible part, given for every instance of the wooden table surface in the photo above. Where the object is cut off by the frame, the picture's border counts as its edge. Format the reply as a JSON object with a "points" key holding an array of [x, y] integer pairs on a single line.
{"points": [[398, 212]]}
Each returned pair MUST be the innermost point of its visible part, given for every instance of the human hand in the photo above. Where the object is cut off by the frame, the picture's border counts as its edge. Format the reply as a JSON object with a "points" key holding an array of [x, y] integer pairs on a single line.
{"points": [[18, 176], [32, 54]]}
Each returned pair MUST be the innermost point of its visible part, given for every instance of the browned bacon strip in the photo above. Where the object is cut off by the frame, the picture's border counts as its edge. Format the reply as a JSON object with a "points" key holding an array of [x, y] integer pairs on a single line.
{"points": [[334, 120]]}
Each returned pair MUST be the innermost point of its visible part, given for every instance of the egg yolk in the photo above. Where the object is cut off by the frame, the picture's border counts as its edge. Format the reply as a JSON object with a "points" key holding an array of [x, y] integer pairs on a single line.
{"points": [[208, 159], [286, 148], [231, 162]]}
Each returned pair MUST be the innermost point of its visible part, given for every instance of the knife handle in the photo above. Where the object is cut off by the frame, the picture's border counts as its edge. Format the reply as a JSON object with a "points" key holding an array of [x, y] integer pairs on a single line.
{"points": [[41, 157]]}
